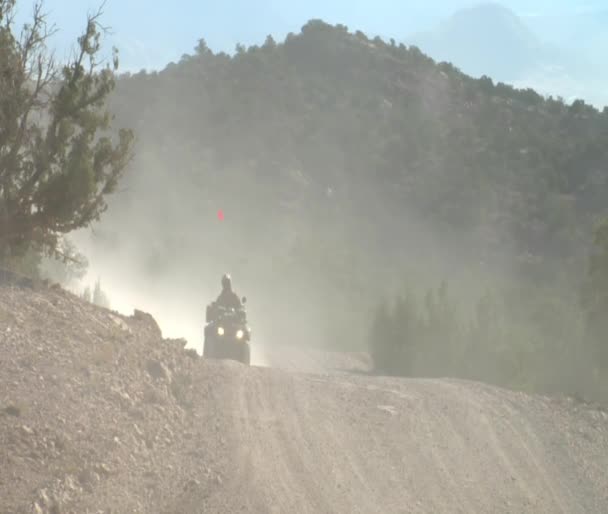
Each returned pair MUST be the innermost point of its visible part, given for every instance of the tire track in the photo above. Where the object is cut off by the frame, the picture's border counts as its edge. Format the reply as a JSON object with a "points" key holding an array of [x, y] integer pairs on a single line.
{"points": [[322, 443]]}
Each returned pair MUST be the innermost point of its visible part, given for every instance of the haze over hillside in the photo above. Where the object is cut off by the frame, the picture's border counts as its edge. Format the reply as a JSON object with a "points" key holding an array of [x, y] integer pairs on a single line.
{"points": [[527, 51], [343, 165]]}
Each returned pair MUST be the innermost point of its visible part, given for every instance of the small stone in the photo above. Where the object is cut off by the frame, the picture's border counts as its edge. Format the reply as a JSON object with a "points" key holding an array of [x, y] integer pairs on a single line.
{"points": [[12, 410], [192, 484], [44, 497], [70, 483], [27, 430], [103, 469], [88, 479], [158, 370]]}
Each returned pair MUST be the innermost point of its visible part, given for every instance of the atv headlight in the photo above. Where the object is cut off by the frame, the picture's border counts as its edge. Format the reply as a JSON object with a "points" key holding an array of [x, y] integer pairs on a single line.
{"points": [[240, 334], [220, 331]]}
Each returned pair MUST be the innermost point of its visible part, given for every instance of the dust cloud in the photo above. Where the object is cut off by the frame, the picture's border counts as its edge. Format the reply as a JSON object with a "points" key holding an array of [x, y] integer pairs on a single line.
{"points": [[177, 297], [312, 265]]}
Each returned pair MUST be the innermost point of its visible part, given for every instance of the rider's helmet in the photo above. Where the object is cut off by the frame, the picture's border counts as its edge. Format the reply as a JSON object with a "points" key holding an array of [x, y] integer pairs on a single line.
{"points": [[226, 282]]}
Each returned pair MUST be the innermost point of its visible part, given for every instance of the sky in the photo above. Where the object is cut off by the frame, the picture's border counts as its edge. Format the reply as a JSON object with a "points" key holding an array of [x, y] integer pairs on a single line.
{"points": [[149, 34]]}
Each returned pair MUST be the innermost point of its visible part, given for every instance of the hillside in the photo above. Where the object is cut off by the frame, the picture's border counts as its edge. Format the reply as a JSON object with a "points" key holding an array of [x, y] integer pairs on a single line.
{"points": [[341, 163], [98, 413], [329, 121], [93, 409]]}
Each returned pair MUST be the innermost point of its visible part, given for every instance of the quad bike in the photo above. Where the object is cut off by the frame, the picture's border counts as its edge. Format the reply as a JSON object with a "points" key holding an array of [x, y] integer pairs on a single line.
{"points": [[227, 335]]}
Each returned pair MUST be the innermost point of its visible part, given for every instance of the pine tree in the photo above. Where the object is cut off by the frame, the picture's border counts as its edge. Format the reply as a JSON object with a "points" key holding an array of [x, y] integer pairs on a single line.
{"points": [[58, 158]]}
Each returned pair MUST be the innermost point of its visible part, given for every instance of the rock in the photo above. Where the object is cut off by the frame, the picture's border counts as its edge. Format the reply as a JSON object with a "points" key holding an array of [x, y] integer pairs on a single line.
{"points": [[26, 430], [12, 410], [44, 498], [87, 479], [103, 469], [70, 484], [192, 484], [158, 370], [122, 324], [149, 319], [152, 397]]}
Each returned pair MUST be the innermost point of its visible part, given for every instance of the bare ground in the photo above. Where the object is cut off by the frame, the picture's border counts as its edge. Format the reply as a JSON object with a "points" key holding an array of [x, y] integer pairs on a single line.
{"points": [[99, 414]]}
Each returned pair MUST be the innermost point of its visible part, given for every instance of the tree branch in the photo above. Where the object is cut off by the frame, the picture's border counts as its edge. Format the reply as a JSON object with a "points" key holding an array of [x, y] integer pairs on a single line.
{"points": [[53, 175]]}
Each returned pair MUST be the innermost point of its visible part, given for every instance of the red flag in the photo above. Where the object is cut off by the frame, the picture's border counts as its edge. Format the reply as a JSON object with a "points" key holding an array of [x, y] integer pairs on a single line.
{"points": [[220, 215]]}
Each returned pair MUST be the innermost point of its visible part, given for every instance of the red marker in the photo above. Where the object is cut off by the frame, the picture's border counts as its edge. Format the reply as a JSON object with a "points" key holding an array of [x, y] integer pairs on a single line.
{"points": [[220, 215]]}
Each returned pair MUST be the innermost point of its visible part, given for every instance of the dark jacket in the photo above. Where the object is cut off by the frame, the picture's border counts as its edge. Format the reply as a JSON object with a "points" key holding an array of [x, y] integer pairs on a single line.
{"points": [[229, 299]]}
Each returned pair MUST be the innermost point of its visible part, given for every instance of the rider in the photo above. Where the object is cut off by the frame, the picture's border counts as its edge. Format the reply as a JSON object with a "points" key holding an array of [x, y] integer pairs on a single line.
{"points": [[228, 298]]}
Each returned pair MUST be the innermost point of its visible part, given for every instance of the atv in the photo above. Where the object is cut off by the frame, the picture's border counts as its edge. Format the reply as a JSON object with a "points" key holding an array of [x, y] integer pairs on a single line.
{"points": [[227, 335]]}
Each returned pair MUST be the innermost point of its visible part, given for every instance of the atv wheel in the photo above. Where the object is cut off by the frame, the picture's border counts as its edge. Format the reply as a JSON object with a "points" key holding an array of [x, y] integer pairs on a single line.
{"points": [[245, 355]]}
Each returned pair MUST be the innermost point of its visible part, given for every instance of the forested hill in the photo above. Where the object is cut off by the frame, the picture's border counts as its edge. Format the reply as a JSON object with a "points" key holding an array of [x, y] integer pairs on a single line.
{"points": [[365, 148], [384, 127]]}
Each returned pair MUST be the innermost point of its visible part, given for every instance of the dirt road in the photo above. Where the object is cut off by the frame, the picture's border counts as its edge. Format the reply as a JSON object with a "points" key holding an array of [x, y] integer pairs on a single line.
{"points": [[303, 443], [99, 414]]}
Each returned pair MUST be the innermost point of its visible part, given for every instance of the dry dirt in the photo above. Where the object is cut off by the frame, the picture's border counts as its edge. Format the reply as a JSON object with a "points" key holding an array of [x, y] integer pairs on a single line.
{"points": [[99, 414]]}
